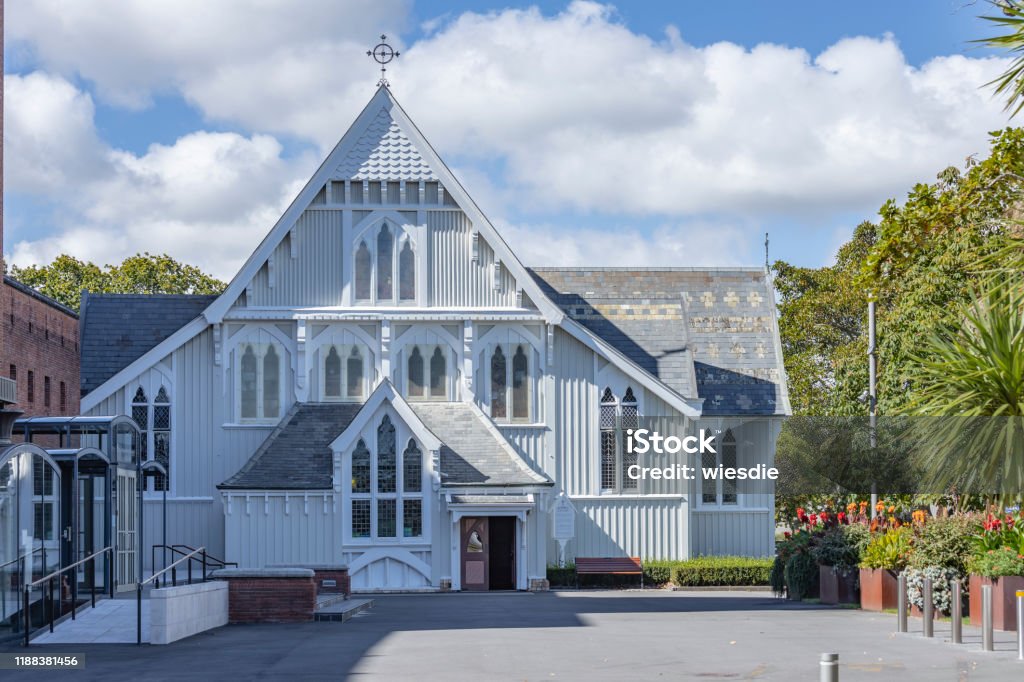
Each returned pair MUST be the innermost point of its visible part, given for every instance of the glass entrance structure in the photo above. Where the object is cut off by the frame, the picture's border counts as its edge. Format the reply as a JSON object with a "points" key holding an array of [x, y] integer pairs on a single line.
{"points": [[30, 509]]}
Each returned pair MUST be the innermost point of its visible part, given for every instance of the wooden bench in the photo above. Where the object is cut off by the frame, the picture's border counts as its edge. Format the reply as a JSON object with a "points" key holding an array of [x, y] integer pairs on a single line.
{"points": [[609, 566]]}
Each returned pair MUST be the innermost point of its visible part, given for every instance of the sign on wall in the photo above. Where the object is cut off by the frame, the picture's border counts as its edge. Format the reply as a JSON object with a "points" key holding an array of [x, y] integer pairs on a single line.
{"points": [[563, 516]]}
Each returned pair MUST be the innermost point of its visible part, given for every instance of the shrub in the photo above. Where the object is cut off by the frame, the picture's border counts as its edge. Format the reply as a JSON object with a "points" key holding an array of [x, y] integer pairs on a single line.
{"points": [[841, 546], [890, 550], [562, 576], [997, 563], [941, 591], [658, 571], [801, 574], [721, 571], [777, 576], [945, 542]]}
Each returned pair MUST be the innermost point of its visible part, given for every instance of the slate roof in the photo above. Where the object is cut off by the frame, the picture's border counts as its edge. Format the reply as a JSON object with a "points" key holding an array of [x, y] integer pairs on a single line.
{"points": [[117, 329], [472, 453], [384, 151], [297, 453], [705, 333]]}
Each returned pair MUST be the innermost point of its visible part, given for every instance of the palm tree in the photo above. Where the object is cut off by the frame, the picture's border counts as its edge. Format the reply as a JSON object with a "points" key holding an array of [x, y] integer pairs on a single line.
{"points": [[1011, 82], [968, 383]]}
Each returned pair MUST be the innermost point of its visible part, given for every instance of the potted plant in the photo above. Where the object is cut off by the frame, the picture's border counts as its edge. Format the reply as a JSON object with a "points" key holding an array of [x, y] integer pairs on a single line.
{"points": [[838, 554], [999, 562], [884, 557], [942, 550]]}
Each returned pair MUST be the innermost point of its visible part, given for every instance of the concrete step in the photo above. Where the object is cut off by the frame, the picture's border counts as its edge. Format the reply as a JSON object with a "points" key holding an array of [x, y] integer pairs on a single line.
{"points": [[325, 599], [341, 610]]}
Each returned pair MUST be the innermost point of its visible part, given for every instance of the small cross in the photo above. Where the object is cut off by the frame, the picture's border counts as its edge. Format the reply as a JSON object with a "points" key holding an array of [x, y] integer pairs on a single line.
{"points": [[383, 54], [732, 299]]}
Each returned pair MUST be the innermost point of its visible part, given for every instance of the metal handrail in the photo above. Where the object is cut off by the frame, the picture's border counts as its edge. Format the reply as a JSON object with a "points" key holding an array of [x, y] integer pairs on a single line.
{"points": [[173, 568], [49, 579], [29, 586], [209, 559], [19, 558]]}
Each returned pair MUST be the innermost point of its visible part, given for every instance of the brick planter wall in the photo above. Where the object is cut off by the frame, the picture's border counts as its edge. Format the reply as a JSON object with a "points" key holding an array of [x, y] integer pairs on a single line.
{"points": [[269, 595], [321, 572]]}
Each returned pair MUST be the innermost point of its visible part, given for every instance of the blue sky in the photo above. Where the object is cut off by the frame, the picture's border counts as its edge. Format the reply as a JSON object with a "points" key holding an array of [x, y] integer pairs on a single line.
{"points": [[682, 132]]}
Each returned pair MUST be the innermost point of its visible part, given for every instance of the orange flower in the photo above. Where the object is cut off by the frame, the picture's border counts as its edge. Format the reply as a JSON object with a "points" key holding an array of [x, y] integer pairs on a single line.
{"points": [[852, 507], [892, 508], [880, 507]]}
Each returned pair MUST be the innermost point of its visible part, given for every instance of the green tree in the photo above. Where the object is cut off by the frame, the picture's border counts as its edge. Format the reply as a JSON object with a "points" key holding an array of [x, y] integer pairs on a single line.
{"points": [[66, 277]]}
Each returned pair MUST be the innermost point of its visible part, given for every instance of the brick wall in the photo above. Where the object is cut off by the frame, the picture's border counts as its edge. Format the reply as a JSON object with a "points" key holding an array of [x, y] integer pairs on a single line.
{"points": [[271, 600], [343, 583], [41, 338]]}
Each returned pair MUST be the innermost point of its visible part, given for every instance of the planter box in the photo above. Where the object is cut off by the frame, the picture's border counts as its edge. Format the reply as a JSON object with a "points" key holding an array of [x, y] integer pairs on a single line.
{"points": [[1004, 600], [837, 587], [878, 589]]}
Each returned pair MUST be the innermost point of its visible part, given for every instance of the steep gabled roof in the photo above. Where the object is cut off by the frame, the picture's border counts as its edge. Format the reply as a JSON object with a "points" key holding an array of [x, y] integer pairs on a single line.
{"points": [[708, 333], [117, 329], [383, 139]]}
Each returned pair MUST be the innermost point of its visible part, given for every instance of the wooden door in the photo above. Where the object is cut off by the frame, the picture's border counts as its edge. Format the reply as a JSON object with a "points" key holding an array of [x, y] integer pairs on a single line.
{"points": [[475, 550]]}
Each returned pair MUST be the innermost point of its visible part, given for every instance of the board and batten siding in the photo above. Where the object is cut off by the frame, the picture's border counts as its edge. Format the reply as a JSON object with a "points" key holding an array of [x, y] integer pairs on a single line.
{"points": [[314, 275], [278, 528], [454, 279], [528, 441], [193, 522], [642, 526], [575, 438], [734, 532]]}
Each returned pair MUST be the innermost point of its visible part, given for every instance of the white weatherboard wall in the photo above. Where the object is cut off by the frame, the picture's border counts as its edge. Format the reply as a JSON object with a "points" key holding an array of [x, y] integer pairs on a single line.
{"points": [[650, 527], [277, 528], [186, 610]]}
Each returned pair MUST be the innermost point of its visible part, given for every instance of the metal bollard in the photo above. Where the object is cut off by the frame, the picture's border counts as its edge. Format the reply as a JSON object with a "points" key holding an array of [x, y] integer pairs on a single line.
{"points": [[1020, 625], [829, 665], [901, 607], [956, 612], [986, 618], [928, 609]]}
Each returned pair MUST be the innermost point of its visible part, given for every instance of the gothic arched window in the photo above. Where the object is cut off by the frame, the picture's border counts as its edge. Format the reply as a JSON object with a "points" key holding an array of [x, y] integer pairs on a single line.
{"points": [[271, 384], [416, 385], [332, 374], [407, 273], [362, 277], [438, 370], [354, 369], [607, 422], [412, 468], [499, 382], [387, 473], [385, 256], [249, 378], [520, 385]]}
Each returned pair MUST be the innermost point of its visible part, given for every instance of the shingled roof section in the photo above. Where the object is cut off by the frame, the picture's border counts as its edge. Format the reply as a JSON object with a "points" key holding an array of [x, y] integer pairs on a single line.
{"points": [[471, 453], [297, 453], [117, 329], [705, 333]]}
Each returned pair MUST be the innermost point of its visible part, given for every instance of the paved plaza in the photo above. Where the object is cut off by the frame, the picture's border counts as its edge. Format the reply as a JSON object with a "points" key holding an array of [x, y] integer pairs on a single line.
{"points": [[586, 635]]}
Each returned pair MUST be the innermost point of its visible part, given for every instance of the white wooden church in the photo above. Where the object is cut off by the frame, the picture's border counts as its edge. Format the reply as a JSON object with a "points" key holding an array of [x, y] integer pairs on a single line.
{"points": [[384, 385]]}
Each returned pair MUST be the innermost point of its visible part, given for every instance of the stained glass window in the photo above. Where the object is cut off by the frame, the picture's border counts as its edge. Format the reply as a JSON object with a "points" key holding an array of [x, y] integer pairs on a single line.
{"points": [[361, 468], [629, 420], [412, 468], [386, 521], [499, 382], [249, 383], [412, 518], [360, 518], [386, 457], [271, 384], [162, 436], [609, 458]]}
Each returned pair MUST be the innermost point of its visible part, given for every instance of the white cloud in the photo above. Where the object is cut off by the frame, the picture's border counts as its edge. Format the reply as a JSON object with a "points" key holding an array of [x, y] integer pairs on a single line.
{"points": [[572, 112], [207, 199]]}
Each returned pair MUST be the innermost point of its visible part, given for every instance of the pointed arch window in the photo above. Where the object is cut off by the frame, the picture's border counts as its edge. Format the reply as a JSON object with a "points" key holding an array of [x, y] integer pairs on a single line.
{"points": [[360, 521], [362, 275], [386, 494], [720, 491], [332, 374], [438, 374], [615, 419], [154, 420], [259, 382], [511, 383], [499, 385], [407, 273], [385, 263], [416, 387], [343, 372]]}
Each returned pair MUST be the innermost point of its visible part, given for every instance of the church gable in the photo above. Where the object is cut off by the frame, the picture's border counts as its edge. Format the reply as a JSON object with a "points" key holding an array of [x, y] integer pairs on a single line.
{"points": [[382, 224]]}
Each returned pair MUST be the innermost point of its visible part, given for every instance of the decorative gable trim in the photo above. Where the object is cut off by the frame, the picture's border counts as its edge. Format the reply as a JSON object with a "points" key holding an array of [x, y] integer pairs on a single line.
{"points": [[382, 101], [385, 391]]}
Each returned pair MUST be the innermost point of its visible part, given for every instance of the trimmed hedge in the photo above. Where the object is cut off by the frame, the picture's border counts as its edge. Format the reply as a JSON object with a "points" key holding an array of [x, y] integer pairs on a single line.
{"points": [[711, 571], [726, 571]]}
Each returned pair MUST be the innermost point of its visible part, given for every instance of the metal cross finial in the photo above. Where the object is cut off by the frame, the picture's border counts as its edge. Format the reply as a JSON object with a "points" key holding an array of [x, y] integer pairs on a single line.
{"points": [[766, 266], [383, 54]]}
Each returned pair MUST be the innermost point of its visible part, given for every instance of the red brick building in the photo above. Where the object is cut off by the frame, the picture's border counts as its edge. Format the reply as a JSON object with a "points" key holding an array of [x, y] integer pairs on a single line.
{"points": [[38, 336]]}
